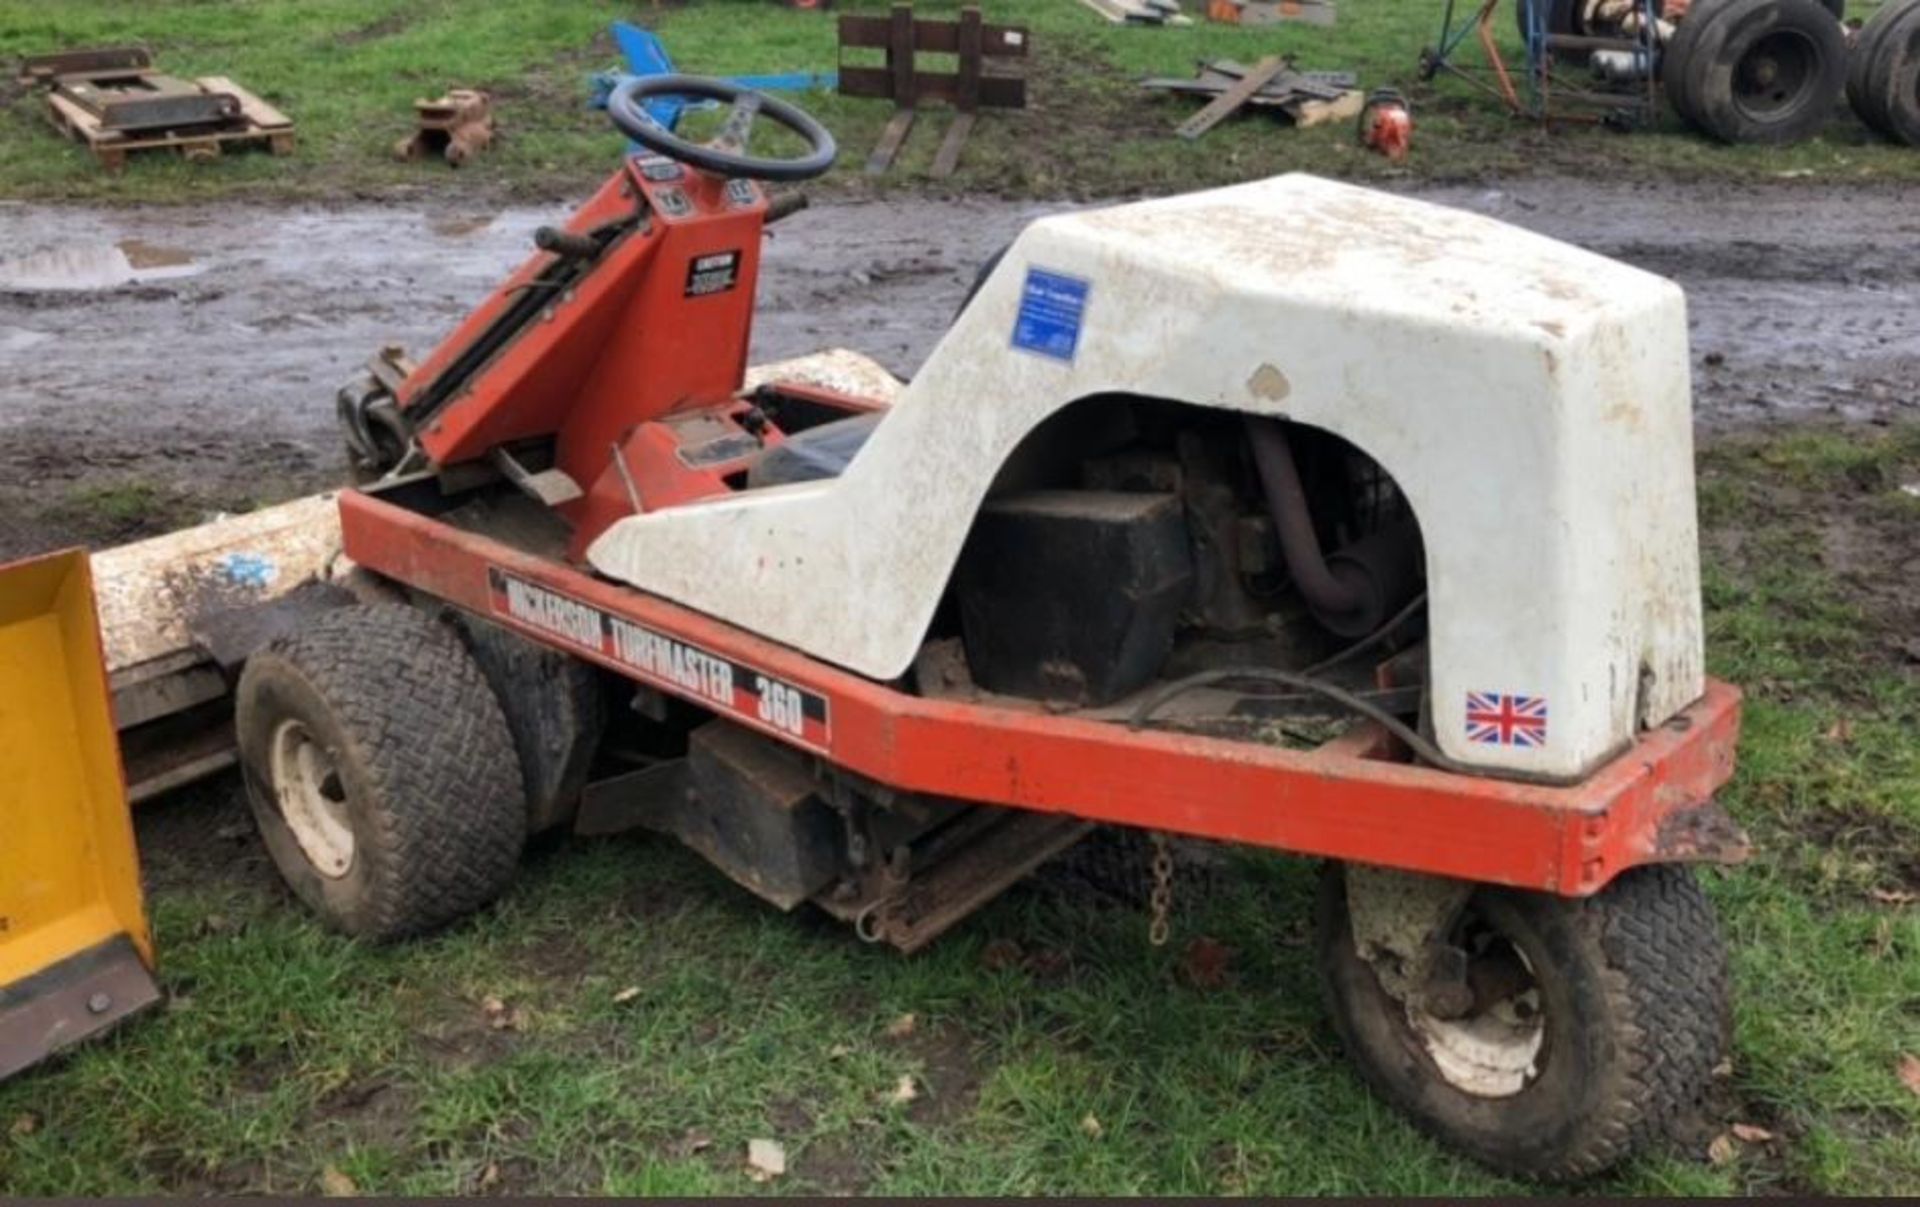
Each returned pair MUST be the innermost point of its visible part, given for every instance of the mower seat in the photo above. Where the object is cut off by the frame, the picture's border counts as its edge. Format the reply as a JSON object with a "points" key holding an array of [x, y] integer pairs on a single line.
{"points": [[818, 452]]}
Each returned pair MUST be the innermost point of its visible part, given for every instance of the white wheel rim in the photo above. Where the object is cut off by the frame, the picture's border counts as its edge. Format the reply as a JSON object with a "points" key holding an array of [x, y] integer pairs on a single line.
{"points": [[312, 798], [1490, 1053]]}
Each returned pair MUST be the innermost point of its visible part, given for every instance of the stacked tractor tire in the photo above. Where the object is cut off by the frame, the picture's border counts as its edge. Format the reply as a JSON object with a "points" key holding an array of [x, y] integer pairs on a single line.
{"points": [[1772, 71], [1883, 79], [1767, 71]]}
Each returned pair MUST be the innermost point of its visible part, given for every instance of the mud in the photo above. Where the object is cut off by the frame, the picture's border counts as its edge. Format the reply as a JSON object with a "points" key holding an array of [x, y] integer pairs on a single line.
{"points": [[199, 348]]}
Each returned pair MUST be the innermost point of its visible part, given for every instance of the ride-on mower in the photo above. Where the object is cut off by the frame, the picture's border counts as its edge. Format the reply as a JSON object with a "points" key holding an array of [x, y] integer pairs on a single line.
{"points": [[1180, 471]]}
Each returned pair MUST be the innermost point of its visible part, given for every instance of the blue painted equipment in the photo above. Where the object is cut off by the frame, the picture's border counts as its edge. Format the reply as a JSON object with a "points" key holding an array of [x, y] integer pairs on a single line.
{"points": [[646, 55]]}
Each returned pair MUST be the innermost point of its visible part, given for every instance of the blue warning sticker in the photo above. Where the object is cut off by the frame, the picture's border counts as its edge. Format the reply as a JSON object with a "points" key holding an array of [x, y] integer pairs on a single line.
{"points": [[1051, 309]]}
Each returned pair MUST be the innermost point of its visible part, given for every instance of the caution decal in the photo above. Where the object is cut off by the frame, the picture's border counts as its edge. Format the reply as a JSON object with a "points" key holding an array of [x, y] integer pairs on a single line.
{"points": [[741, 691]]}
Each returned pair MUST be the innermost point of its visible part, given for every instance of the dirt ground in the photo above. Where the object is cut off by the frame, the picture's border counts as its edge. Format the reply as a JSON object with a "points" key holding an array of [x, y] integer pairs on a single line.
{"points": [[189, 355]]}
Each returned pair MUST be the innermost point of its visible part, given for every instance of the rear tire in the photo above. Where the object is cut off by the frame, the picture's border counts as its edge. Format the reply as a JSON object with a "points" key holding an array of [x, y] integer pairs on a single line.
{"points": [[381, 772], [1606, 1040], [1678, 53], [1761, 71], [1883, 80]]}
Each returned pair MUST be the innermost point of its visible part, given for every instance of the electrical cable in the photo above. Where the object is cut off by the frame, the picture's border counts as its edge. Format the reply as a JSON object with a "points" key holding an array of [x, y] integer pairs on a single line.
{"points": [[1371, 639], [1426, 750]]}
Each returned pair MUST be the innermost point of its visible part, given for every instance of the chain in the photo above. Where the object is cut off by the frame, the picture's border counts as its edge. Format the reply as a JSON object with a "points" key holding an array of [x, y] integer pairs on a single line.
{"points": [[1160, 901]]}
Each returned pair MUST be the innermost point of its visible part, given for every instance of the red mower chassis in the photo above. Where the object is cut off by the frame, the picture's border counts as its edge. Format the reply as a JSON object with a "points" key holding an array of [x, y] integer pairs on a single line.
{"points": [[1353, 798]]}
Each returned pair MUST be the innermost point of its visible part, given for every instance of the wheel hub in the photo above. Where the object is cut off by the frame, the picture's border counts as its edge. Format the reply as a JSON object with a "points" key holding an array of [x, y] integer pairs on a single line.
{"points": [[1493, 1048], [312, 798], [1773, 77]]}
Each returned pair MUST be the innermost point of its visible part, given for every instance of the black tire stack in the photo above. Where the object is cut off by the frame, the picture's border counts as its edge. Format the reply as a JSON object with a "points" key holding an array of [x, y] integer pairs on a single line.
{"points": [[1883, 80], [1757, 71]]}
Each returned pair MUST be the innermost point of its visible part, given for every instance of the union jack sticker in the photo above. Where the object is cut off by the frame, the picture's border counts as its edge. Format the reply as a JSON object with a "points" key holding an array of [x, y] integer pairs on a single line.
{"points": [[1502, 720]]}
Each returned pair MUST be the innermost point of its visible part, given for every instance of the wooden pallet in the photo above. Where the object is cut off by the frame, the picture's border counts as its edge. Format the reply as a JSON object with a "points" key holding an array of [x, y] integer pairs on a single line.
{"points": [[259, 123]]}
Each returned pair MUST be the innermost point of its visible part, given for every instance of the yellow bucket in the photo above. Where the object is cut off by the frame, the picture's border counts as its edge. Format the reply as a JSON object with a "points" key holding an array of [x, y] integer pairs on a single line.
{"points": [[75, 952]]}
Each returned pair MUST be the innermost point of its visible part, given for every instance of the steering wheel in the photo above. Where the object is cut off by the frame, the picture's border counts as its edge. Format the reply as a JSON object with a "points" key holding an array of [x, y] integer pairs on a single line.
{"points": [[726, 154]]}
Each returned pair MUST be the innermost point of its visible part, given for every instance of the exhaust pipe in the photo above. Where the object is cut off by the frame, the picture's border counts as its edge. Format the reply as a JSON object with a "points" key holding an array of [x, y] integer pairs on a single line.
{"points": [[1354, 591]]}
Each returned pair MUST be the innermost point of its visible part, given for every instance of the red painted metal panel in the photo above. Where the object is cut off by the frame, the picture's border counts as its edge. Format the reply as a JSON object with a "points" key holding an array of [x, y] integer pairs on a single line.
{"points": [[1344, 800]]}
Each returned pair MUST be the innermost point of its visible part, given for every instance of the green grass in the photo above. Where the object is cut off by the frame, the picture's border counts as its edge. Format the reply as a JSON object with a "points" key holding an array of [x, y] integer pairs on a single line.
{"points": [[348, 71], [661, 1017], [122, 510]]}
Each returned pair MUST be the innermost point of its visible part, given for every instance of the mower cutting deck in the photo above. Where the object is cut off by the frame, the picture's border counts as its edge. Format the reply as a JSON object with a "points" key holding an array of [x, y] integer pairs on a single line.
{"points": [[1181, 472]]}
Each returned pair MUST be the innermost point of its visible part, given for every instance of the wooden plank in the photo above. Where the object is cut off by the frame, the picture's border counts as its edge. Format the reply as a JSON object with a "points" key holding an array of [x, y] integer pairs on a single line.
{"points": [[73, 119], [110, 146], [1139, 12], [257, 112], [39, 69], [1288, 85], [942, 37], [1308, 113], [874, 83], [895, 134], [865, 33], [1222, 106], [948, 157], [996, 91], [1335, 82], [900, 55], [1120, 12], [967, 86]]}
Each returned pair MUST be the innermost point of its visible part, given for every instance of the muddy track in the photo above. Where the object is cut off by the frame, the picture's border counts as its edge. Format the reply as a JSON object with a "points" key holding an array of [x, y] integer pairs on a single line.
{"points": [[206, 356]]}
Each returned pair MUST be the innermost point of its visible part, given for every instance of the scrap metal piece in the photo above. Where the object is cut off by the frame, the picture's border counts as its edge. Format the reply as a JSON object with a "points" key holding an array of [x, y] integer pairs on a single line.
{"points": [[1705, 833], [79, 997], [456, 126], [954, 871]]}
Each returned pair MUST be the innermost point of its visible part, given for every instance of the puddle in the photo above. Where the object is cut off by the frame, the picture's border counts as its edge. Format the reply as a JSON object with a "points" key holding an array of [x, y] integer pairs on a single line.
{"points": [[95, 266], [19, 339]]}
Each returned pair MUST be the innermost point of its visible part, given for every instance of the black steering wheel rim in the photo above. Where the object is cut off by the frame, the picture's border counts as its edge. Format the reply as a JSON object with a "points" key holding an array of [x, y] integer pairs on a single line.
{"points": [[631, 118]]}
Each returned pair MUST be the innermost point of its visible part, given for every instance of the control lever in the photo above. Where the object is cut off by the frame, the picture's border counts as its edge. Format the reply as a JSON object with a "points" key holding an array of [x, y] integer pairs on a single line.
{"points": [[785, 206], [565, 244]]}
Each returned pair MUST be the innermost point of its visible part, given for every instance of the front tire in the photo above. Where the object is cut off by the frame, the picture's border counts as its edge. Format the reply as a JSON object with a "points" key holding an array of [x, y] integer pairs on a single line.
{"points": [[381, 772], [1598, 1029]]}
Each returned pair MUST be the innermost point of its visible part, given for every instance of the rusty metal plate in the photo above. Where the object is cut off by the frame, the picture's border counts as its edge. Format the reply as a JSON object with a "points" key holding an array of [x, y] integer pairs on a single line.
{"points": [[79, 997]]}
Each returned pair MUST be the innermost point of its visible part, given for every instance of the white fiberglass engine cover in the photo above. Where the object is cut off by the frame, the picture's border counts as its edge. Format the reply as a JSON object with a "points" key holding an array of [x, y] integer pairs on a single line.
{"points": [[1531, 400]]}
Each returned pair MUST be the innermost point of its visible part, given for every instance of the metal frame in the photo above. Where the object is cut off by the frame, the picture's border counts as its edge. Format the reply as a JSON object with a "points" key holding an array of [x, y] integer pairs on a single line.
{"points": [[1355, 798], [631, 375], [1497, 80]]}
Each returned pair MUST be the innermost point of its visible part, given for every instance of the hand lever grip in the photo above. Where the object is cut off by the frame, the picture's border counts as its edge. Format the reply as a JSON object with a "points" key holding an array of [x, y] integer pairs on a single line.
{"points": [[566, 245], [785, 206]]}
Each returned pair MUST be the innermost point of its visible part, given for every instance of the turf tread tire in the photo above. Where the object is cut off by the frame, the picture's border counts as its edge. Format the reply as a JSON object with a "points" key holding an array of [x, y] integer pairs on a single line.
{"points": [[434, 790], [1655, 988]]}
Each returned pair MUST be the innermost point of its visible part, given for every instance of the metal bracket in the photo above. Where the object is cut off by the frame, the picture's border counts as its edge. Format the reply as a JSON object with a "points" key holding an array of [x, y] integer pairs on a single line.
{"points": [[551, 487], [1399, 922]]}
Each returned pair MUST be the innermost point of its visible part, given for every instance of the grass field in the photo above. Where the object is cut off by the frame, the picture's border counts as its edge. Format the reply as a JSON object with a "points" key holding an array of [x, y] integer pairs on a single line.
{"points": [[348, 71], [627, 1020]]}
